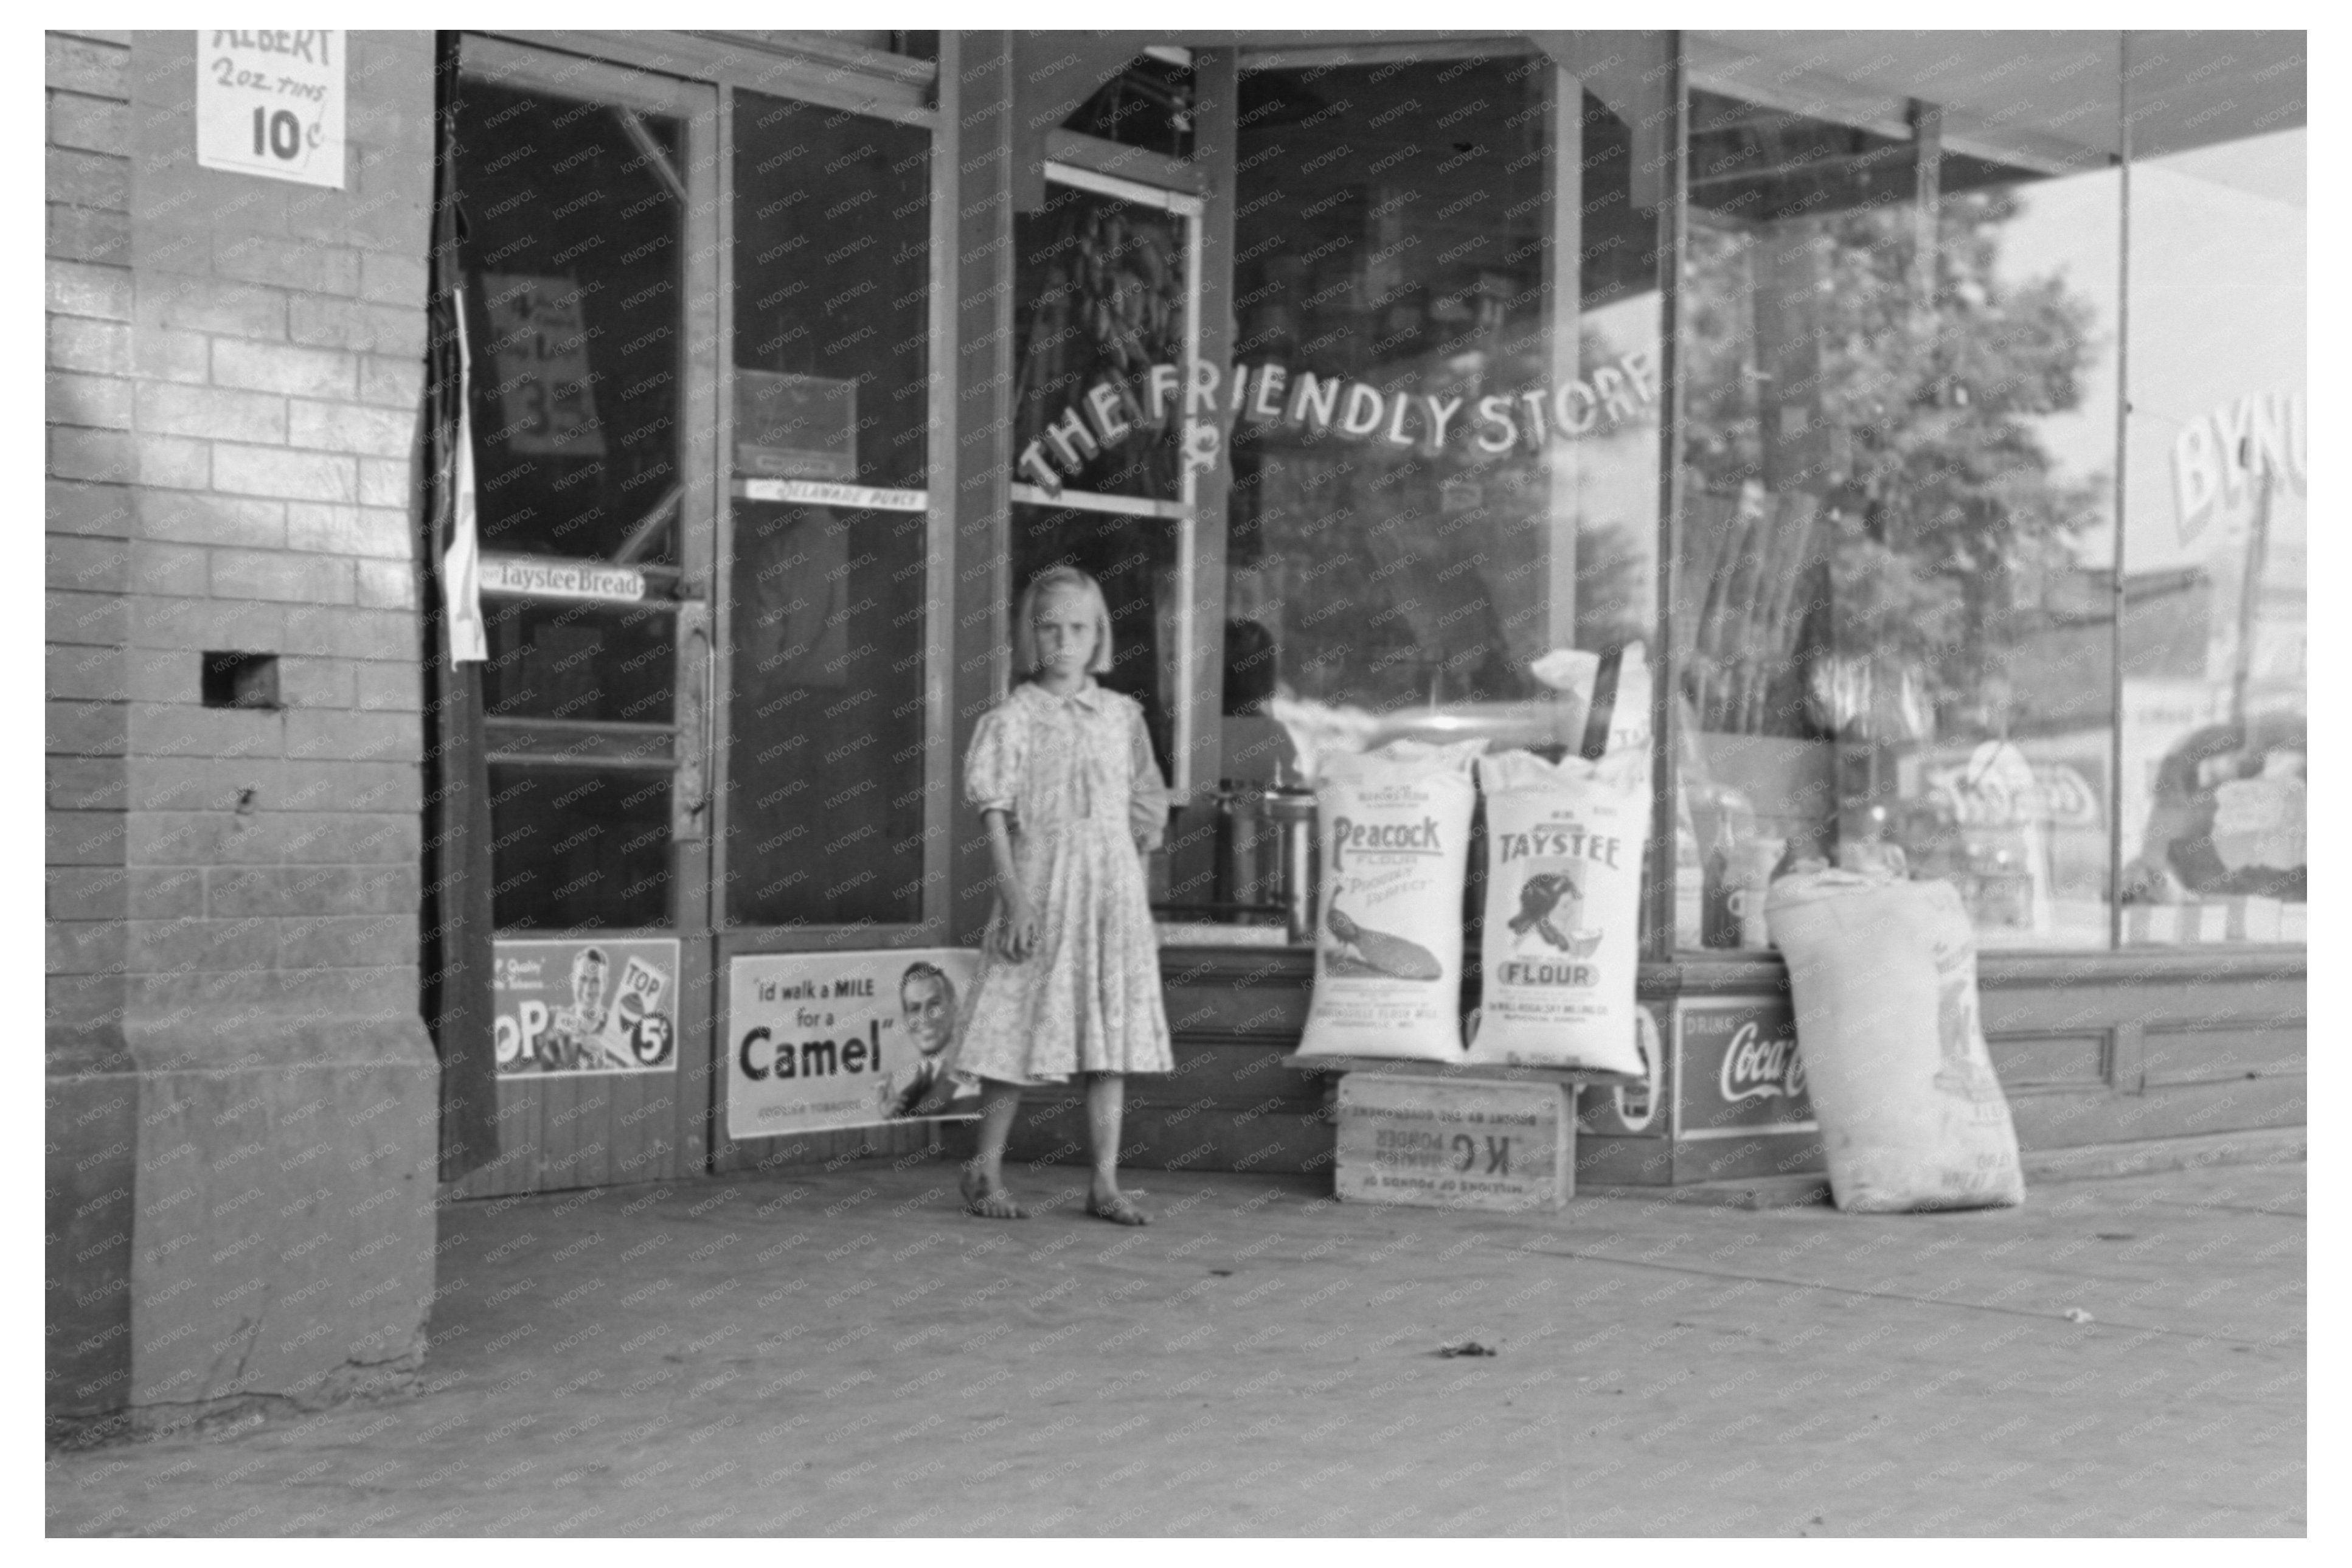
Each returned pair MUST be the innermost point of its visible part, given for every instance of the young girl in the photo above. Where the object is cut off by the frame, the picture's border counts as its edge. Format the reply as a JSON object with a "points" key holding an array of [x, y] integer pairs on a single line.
{"points": [[1069, 971]]}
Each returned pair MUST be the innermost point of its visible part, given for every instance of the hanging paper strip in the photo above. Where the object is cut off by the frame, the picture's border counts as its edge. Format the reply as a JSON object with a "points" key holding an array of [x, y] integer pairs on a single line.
{"points": [[461, 564]]}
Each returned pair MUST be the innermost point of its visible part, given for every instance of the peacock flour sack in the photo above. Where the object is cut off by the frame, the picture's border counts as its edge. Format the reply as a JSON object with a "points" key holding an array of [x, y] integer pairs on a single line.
{"points": [[1394, 825], [1883, 974], [1563, 897]]}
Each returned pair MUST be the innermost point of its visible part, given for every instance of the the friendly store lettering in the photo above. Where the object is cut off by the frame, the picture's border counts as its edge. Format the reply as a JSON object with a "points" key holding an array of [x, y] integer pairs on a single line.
{"points": [[1111, 411]]}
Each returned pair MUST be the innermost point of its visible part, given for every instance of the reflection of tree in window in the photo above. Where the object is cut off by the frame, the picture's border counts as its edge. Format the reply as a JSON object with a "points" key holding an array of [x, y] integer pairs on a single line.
{"points": [[1867, 474]]}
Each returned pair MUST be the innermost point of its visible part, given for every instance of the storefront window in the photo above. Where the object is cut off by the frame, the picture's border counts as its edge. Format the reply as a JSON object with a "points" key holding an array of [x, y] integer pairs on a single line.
{"points": [[830, 467], [2214, 715], [1894, 624], [572, 266], [1104, 272], [1444, 453], [1434, 430]]}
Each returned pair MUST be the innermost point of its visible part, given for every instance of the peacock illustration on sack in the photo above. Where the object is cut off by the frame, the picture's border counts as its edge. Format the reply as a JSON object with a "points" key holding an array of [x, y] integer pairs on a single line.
{"points": [[1366, 953], [1550, 903]]}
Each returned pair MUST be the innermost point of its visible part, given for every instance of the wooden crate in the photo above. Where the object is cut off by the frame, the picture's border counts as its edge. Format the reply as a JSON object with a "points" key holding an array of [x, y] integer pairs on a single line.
{"points": [[1455, 1143]]}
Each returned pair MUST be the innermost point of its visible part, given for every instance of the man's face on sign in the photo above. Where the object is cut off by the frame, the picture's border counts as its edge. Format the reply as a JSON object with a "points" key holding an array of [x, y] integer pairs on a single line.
{"points": [[930, 1006], [588, 988]]}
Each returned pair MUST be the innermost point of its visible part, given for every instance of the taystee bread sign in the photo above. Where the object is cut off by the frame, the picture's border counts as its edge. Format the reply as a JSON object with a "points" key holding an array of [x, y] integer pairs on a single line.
{"points": [[271, 103]]}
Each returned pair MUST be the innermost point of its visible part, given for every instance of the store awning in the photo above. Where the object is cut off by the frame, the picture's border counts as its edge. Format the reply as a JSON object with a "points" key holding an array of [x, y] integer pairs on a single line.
{"points": [[2047, 101]]}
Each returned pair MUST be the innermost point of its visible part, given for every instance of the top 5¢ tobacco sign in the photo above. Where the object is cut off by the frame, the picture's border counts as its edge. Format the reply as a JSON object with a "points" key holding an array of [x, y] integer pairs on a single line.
{"points": [[271, 103]]}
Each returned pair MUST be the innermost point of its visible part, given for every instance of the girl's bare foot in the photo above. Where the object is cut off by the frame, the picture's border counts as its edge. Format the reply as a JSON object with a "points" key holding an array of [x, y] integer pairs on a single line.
{"points": [[988, 1200], [1115, 1207]]}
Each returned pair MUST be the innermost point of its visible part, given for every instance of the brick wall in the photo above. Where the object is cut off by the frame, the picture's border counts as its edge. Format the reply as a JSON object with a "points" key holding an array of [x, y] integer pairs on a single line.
{"points": [[90, 525], [229, 470], [235, 366], [91, 1106]]}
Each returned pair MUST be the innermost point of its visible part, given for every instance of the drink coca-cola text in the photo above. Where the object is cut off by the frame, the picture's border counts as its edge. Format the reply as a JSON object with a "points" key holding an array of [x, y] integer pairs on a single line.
{"points": [[1756, 1068]]}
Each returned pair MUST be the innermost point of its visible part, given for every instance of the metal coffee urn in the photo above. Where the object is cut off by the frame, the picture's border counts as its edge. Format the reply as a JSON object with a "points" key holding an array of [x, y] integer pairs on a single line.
{"points": [[1291, 812]]}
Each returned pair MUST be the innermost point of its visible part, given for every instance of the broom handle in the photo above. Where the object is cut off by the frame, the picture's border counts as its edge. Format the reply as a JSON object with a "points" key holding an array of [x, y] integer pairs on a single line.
{"points": [[2249, 604]]}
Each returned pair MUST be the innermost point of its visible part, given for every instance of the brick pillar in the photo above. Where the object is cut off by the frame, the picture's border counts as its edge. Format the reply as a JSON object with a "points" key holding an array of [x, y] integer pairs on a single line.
{"points": [[242, 1109], [92, 1116]]}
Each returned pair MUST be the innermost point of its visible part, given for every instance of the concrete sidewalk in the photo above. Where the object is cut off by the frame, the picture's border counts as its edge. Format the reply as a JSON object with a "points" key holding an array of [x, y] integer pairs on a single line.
{"points": [[849, 1354]]}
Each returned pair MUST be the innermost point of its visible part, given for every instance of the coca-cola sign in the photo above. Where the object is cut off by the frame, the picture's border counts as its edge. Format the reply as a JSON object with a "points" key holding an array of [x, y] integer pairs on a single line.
{"points": [[1997, 785], [1636, 1105], [1740, 1070], [1758, 1067]]}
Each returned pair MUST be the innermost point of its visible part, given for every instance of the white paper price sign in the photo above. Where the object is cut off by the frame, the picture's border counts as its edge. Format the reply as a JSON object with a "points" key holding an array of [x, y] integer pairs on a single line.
{"points": [[271, 103]]}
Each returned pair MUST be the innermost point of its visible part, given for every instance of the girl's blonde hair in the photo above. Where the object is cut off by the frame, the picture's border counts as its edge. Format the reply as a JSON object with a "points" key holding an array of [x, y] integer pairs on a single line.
{"points": [[1024, 634]]}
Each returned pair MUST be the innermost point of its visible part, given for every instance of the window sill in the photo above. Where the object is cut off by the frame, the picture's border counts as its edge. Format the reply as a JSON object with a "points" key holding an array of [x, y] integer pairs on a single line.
{"points": [[1701, 973], [1691, 973]]}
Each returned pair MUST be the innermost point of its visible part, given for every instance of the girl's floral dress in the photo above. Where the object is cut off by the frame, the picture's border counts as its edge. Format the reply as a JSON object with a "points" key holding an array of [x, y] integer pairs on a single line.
{"points": [[1076, 774]]}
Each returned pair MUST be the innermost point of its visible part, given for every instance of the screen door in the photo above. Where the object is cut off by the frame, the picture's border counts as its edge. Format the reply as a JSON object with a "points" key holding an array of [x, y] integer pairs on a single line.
{"points": [[588, 291]]}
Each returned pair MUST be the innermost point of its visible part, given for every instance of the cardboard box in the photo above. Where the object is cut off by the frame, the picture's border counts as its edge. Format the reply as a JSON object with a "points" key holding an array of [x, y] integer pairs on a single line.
{"points": [[1454, 1144], [2254, 919], [2245, 919], [795, 427]]}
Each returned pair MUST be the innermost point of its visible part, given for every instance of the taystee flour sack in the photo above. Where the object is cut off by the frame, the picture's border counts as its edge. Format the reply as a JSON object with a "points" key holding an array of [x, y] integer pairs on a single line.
{"points": [[1563, 897], [1883, 974], [1395, 826]]}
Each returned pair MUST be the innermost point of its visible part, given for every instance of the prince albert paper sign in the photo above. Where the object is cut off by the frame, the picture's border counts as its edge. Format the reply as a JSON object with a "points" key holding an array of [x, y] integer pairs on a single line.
{"points": [[820, 1041]]}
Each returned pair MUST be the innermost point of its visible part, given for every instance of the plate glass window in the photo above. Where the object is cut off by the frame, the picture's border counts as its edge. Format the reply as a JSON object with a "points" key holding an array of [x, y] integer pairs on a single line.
{"points": [[1458, 472], [1894, 628], [831, 462], [2215, 740], [1104, 276]]}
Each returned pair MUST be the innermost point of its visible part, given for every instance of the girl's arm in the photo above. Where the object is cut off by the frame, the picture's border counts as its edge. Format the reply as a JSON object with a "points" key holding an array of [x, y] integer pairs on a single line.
{"points": [[1147, 812], [991, 782], [1019, 919]]}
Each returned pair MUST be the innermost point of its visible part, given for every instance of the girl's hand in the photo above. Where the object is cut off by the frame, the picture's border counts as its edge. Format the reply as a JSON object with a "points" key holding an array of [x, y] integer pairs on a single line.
{"points": [[1020, 928]]}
